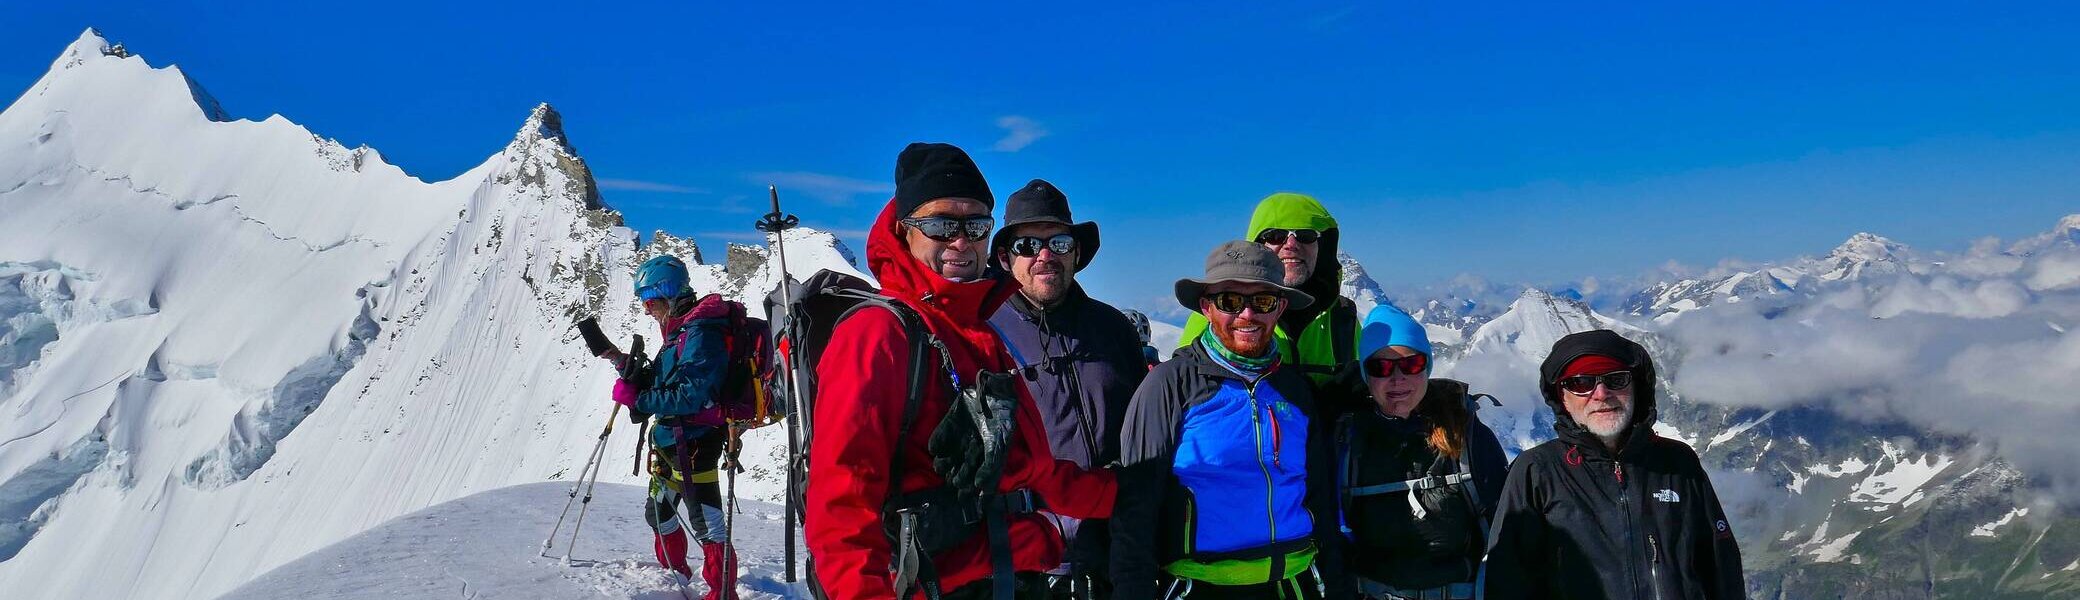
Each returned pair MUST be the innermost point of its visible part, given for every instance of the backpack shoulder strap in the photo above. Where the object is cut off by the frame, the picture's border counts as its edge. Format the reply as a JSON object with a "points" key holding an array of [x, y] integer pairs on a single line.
{"points": [[920, 372], [920, 340], [1008, 346], [1343, 325], [1344, 476]]}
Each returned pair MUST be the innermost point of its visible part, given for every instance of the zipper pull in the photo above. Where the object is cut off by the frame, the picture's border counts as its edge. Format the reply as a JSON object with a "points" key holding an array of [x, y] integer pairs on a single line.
{"points": [[1277, 436], [1619, 469], [1654, 548]]}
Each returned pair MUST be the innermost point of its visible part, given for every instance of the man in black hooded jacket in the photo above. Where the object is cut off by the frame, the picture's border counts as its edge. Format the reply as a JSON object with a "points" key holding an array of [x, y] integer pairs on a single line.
{"points": [[1608, 509]]}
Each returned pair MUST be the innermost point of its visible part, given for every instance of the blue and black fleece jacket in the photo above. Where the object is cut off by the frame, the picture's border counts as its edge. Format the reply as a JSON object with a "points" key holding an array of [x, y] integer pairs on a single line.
{"points": [[1224, 480]]}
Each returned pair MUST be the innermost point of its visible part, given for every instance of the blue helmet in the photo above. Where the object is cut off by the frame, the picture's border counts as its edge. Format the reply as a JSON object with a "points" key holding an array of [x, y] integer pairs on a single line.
{"points": [[661, 278]]}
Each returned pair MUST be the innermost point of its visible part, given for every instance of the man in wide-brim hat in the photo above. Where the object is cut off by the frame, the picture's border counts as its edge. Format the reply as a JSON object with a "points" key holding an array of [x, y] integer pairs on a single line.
{"points": [[1225, 489], [1079, 356]]}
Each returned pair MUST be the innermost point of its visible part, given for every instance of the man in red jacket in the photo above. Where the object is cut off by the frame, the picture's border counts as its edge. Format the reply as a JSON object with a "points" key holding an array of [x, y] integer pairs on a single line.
{"points": [[927, 250]]}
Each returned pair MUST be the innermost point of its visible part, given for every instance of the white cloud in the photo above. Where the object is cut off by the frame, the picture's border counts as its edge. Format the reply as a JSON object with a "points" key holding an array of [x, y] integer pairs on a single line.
{"points": [[831, 190], [1954, 357], [2060, 271], [632, 185], [1946, 295], [1019, 133]]}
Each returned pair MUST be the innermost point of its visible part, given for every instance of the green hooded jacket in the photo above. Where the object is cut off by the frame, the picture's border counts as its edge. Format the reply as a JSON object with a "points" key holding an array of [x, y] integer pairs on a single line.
{"points": [[1320, 338]]}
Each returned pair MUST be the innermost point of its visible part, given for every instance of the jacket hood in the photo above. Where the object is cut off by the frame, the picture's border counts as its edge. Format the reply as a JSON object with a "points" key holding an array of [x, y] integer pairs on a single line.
{"points": [[1606, 343], [711, 306], [1287, 210], [903, 277]]}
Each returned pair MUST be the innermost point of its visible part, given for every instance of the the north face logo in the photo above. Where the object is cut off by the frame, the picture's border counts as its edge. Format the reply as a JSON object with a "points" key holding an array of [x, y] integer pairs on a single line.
{"points": [[1667, 495]]}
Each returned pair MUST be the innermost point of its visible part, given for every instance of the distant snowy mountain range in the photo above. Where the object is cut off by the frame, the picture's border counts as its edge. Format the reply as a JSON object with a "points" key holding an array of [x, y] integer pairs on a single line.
{"points": [[227, 344], [1885, 422]]}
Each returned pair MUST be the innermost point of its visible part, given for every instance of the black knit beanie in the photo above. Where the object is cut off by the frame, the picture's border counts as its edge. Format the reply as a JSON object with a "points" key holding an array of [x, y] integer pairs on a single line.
{"points": [[927, 172]]}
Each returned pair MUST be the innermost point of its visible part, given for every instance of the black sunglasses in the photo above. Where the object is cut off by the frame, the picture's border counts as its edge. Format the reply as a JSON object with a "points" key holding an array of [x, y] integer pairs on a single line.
{"points": [[945, 229], [1277, 237], [1233, 302], [1383, 366], [1060, 243], [1582, 385]]}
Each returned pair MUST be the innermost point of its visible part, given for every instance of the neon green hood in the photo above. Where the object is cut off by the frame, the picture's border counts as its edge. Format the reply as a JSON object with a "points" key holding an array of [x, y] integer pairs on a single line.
{"points": [[1287, 210]]}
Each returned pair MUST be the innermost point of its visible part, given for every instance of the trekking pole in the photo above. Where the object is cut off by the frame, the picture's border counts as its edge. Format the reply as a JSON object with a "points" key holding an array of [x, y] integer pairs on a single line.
{"points": [[599, 464], [733, 445], [777, 223], [592, 462]]}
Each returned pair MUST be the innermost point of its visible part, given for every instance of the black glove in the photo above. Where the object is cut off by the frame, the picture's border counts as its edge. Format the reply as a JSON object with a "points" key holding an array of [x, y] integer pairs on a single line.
{"points": [[956, 446], [971, 443], [596, 341]]}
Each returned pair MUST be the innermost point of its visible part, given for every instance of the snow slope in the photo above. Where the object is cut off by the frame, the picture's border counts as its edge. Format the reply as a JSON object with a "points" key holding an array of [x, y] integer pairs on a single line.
{"points": [[488, 545]]}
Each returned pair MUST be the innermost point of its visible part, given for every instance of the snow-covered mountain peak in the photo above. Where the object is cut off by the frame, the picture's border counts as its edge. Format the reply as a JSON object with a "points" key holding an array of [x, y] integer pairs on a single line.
{"points": [[541, 156], [1540, 309], [1869, 247], [664, 243], [2068, 228], [239, 319], [1359, 286], [1862, 252], [544, 124], [90, 45], [1537, 319], [92, 72], [2066, 234]]}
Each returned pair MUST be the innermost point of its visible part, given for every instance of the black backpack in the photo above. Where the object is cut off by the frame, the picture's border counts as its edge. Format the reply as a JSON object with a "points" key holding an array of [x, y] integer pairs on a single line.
{"points": [[803, 332], [1441, 501]]}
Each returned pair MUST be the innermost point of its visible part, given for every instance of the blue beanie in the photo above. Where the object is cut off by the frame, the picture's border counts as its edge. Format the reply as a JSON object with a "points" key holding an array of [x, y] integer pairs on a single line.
{"points": [[1388, 326]]}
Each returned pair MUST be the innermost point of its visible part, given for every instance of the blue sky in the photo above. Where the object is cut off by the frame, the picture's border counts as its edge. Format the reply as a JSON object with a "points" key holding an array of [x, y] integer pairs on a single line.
{"points": [[1512, 142]]}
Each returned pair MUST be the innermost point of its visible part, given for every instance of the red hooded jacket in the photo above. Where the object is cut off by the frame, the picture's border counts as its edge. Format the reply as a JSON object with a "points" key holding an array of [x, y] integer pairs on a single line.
{"points": [[861, 386]]}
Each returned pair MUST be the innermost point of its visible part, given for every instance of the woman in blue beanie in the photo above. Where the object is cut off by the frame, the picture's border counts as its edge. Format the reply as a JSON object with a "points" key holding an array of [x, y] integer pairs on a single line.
{"points": [[1418, 473]]}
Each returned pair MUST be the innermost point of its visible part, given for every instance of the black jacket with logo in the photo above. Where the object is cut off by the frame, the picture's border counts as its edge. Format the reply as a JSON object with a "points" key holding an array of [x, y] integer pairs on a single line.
{"points": [[1579, 521]]}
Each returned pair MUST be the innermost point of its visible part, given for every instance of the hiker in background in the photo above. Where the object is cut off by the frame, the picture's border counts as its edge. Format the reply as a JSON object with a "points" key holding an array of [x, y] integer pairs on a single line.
{"points": [[1418, 473], [1317, 340], [685, 379], [1149, 356], [1608, 509], [955, 473], [1077, 355], [1227, 490]]}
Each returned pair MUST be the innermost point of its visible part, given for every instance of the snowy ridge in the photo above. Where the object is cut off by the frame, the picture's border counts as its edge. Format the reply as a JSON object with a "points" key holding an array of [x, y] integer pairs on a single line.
{"points": [[1863, 253], [1863, 256], [1502, 358], [1359, 286], [234, 329], [217, 331]]}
